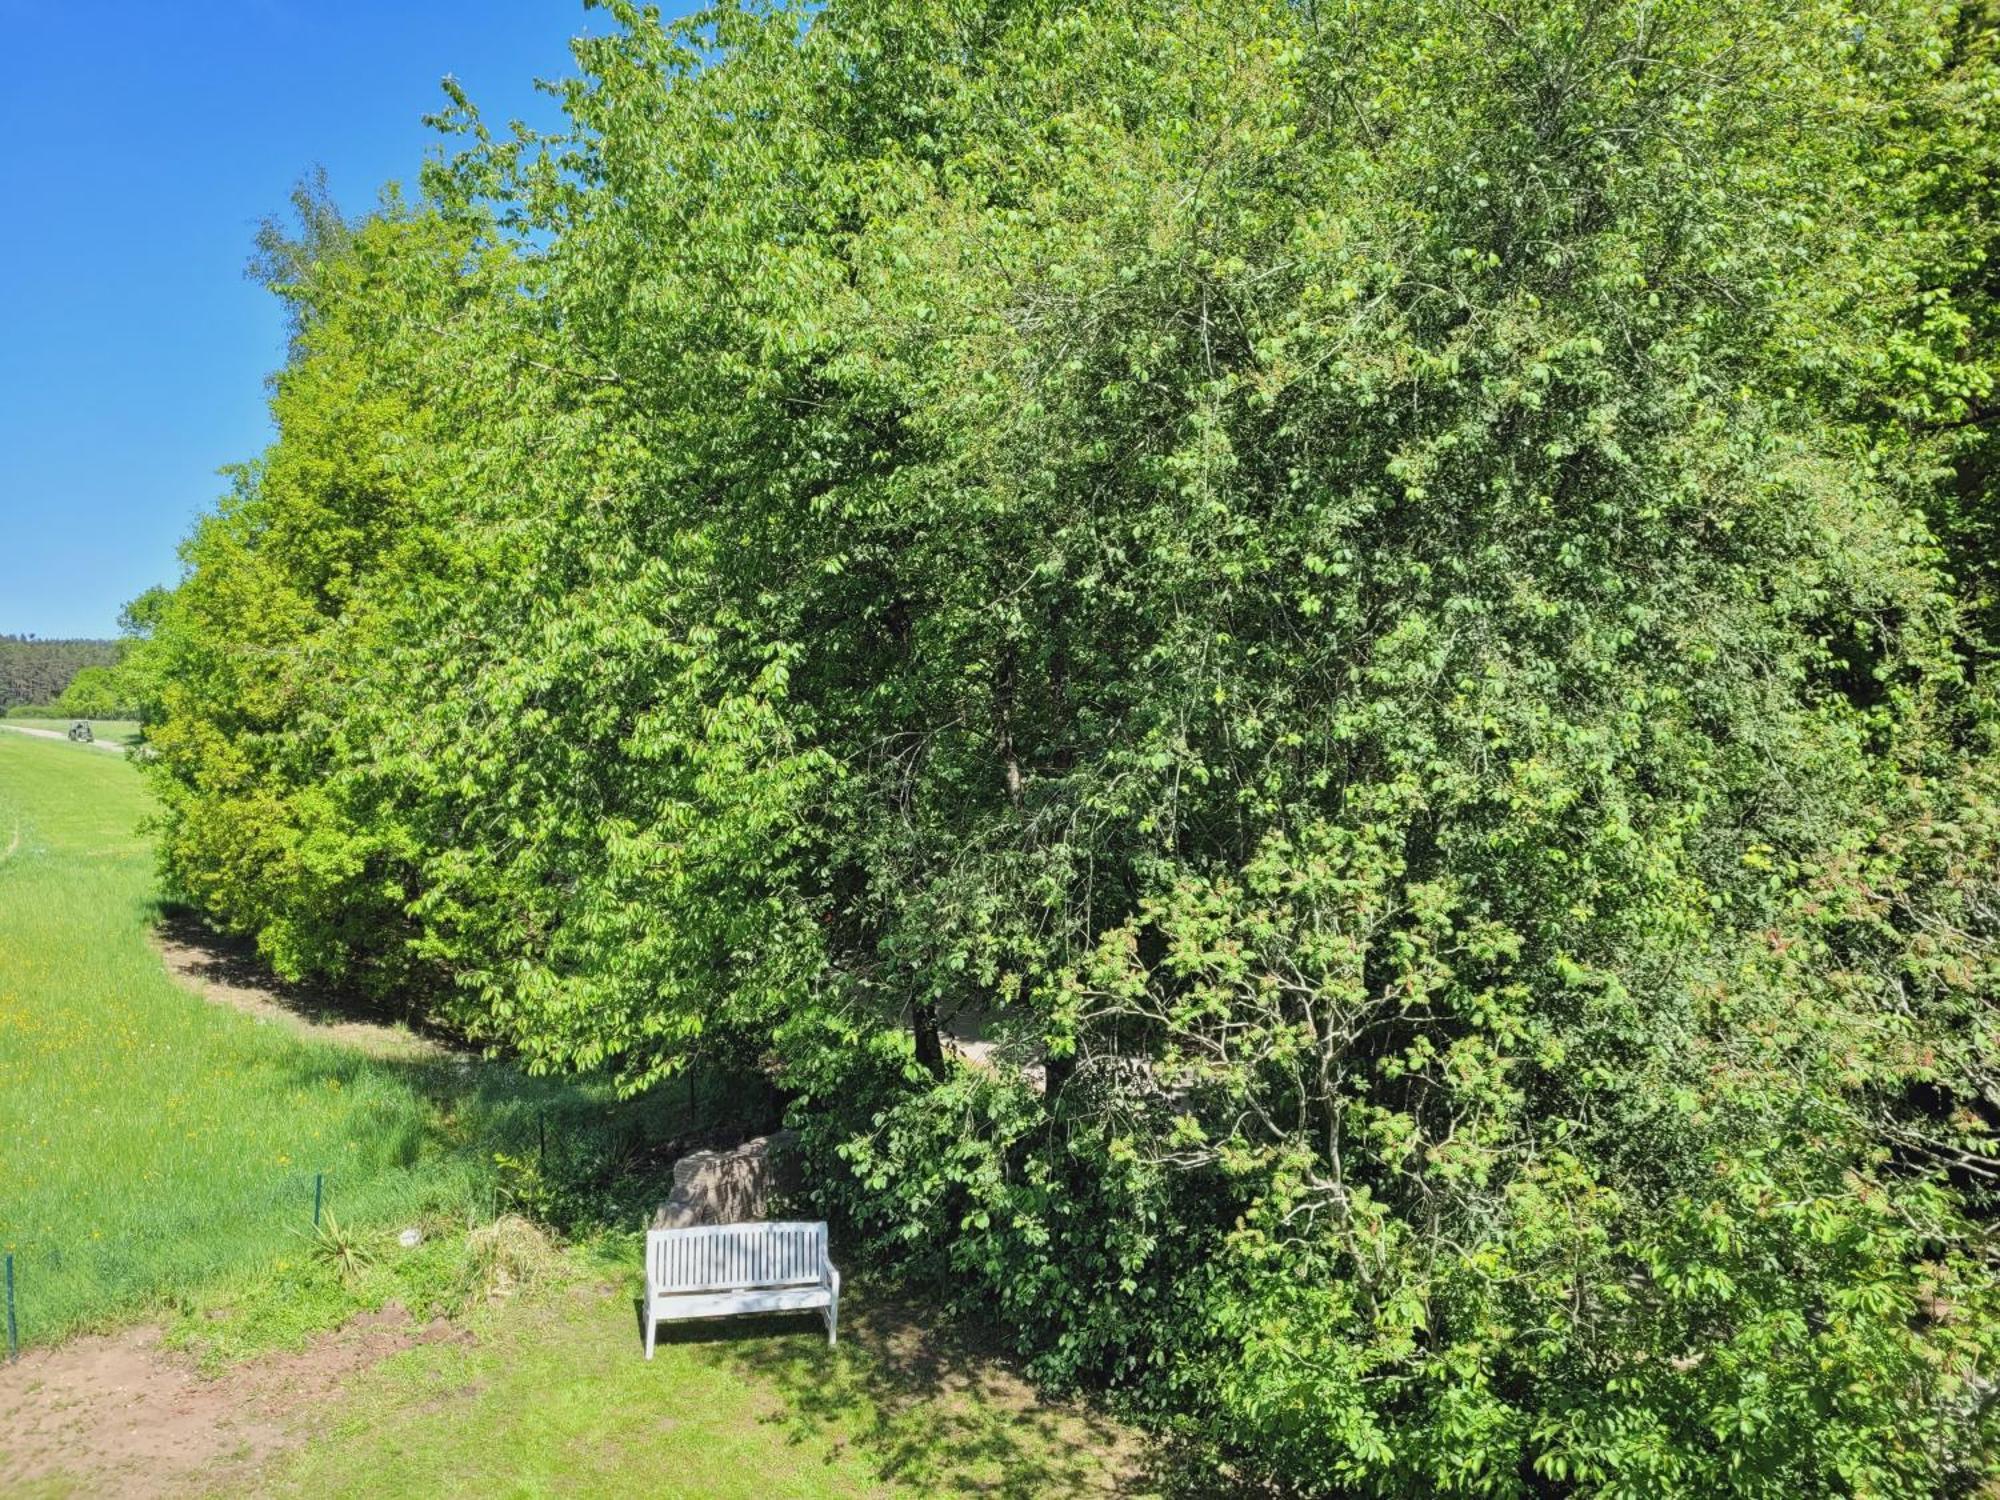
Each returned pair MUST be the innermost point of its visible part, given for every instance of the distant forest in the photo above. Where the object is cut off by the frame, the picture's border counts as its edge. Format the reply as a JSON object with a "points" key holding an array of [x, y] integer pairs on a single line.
{"points": [[37, 671]]}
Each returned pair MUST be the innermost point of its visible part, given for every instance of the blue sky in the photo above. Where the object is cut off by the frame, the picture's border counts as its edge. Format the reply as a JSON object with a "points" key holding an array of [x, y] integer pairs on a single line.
{"points": [[142, 145]]}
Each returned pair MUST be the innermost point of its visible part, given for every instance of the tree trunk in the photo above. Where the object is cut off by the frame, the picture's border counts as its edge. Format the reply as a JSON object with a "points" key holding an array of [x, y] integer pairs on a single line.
{"points": [[924, 1029], [1056, 1073]]}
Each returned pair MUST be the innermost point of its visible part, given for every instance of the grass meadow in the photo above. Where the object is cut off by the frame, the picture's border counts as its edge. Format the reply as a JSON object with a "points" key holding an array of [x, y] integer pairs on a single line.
{"points": [[154, 1145], [157, 1156]]}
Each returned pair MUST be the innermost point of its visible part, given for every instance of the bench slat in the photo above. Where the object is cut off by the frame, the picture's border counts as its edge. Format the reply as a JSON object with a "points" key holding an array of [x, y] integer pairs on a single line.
{"points": [[723, 1257], [671, 1306]]}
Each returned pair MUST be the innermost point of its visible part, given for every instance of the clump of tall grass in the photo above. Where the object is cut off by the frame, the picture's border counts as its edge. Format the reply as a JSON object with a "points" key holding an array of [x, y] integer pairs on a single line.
{"points": [[509, 1255]]}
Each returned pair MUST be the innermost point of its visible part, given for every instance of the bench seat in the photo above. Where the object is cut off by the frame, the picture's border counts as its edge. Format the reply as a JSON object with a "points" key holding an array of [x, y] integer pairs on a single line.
{"points": [[669, 1306], [722, 1270]]}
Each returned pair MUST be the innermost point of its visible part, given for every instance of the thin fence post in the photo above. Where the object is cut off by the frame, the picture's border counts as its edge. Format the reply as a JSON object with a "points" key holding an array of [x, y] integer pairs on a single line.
{"points": [[319, 1182], [13, 1332]]}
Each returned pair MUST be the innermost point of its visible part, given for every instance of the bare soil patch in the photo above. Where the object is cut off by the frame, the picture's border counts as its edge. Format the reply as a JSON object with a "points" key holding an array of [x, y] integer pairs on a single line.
{"points": [[227, 971], [121, 1414]]}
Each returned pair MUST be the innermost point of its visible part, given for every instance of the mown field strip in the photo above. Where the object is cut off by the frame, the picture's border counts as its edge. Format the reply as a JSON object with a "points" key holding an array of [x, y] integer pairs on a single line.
{"points": [[158, 1143], [47, 731]]}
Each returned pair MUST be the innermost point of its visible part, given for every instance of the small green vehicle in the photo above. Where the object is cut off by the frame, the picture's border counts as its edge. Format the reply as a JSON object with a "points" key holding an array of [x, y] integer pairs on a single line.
{"points": [[80, 732]]}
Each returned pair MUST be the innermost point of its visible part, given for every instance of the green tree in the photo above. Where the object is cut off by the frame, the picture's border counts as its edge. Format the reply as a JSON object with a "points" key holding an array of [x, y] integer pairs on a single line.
{"points": [[1371, 598], [96, 693], [35, 671]]}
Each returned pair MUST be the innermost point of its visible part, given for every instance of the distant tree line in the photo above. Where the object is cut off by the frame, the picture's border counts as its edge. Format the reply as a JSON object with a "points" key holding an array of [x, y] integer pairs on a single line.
{"points": [[1318, 680], [38, 671]]}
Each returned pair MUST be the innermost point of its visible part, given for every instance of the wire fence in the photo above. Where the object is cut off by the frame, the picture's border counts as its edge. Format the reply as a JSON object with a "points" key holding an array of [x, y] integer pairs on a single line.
{"points": [[53, 1259], [599, 1165]]}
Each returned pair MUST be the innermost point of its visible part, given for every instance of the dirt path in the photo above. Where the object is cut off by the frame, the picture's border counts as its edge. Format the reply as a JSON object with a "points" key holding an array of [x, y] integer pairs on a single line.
{"points": [[119, 1414], [51, 734], [227, 972]]}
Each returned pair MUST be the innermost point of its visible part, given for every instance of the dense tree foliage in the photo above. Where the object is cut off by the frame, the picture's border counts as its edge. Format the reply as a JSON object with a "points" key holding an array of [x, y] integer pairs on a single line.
{"points": [[97, 693], [1314, 674], [36, 670]]}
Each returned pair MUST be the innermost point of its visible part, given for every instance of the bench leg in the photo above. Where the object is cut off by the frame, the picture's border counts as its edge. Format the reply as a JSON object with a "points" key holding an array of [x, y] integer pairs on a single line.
{"points": [[832, 1321], [652, 1327]]}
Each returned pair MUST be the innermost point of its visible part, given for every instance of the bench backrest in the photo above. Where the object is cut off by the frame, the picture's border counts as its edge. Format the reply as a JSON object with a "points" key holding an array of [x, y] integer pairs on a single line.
{"points": [[726, 1257]]}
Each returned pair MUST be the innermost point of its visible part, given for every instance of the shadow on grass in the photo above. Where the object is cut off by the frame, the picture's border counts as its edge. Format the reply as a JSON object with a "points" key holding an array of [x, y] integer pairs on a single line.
{"points": [[579, 1155], [230, 970], [935, 1410]]}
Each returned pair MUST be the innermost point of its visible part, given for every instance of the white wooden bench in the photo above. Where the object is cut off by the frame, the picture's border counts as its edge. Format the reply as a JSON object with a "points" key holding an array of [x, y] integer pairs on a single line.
{"points": [[718, 1270]]}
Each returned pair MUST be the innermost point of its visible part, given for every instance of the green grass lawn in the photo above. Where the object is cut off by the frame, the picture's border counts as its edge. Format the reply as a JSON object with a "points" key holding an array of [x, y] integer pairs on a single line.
{"points": [[156, 1145], [111, 731], [553, 1399], [159, 1154]]}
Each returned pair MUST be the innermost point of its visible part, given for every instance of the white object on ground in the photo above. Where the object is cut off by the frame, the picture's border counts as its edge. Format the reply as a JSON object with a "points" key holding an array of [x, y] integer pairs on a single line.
{"points": [[719, 1270]]}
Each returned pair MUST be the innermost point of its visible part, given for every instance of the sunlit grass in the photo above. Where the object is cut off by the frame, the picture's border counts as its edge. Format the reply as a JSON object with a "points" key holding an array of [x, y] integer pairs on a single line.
{"points": [[153, 1144], [553, 1398]]}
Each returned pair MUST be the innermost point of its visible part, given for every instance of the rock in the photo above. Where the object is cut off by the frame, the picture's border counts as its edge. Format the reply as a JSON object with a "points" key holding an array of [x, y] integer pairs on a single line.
{"points": [[409, 1239], [974, 1035], [735, 1186]]}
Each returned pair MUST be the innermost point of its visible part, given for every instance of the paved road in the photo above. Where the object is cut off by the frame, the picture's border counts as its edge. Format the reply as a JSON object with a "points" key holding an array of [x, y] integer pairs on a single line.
{"points": [[57, 734]]}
